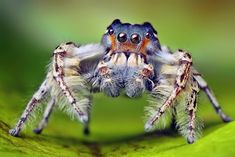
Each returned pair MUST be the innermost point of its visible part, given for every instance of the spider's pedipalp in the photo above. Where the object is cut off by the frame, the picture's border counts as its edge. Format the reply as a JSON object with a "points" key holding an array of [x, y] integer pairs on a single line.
{"points": [[134, 84]]}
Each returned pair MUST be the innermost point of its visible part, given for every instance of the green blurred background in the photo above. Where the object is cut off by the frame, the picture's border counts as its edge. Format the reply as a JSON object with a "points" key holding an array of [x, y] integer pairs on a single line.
{"points": [[30, 30]]}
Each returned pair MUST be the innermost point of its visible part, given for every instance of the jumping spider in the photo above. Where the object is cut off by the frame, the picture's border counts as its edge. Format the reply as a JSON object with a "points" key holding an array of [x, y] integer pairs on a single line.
{"points": [[130, 58]]}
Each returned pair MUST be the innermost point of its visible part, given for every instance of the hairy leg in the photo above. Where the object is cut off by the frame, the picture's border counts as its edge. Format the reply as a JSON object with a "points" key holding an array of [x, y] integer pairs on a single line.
{"points": [[183, 72], [173, 124], [68, 56], [37, 97], [69, 61], [188, 123], [86, 130], [203, 85], [46, 116], [191, 109], [66, 61], [58, 64]]}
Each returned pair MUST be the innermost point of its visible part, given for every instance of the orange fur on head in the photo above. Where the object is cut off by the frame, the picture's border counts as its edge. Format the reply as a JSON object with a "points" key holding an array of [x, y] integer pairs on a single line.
{"points": [[128, 46], [145, 42]]}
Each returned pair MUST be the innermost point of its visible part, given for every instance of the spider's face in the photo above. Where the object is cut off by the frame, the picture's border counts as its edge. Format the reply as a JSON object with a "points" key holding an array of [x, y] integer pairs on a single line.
{"points": [[128, 38]]}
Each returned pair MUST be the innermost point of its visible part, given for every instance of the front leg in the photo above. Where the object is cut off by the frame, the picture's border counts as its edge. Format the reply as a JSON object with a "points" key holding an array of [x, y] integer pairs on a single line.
{"points": [[184, 62], [64, 50], [64, 80], [69, 63], [37, 97]]}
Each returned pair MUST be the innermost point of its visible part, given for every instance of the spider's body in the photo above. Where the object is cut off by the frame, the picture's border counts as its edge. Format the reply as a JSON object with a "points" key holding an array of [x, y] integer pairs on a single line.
{"points": [[129, 58]]}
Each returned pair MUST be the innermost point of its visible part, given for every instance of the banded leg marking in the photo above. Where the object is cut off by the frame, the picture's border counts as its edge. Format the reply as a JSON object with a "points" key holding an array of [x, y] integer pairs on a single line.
{"points": [[182, 76], [37, 97], [58, 74], [203, 85], [46, 116], [191, 111]]}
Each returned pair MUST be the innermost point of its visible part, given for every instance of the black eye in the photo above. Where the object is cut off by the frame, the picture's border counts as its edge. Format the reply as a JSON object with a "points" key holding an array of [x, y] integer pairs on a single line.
{"points": [[110, 30], [148, 35], [122, 37], [135, 38]]}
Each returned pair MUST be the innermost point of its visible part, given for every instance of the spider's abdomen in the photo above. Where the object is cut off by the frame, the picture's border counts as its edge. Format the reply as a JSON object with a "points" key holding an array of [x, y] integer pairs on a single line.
{"points": [[123, 71]]}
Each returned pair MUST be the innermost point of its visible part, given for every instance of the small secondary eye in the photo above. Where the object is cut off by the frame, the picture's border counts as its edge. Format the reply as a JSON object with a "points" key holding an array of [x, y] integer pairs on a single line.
{"points": [[110, 31], [122, 37], [135, 38], [147, 35]]}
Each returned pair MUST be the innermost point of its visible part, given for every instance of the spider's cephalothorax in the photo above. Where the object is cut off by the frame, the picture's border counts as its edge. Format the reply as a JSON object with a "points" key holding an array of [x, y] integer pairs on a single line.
{"points": [[125, 64], [130, 59]]}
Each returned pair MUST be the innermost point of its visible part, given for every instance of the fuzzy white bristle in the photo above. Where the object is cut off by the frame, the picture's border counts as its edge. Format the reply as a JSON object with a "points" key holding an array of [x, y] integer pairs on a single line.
{"points": [[89, 51], [148, 127]]}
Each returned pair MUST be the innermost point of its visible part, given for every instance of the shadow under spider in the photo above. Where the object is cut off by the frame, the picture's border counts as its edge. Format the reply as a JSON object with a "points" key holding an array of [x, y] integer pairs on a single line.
{"points": [[167, 132], [94, 146]]}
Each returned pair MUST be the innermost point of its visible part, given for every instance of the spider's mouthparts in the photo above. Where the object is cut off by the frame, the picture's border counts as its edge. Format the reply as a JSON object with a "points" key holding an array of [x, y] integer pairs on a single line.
{"points": [[129, 59]]}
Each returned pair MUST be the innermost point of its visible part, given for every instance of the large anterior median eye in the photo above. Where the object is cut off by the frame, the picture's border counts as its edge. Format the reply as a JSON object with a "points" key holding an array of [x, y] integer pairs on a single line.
{"points": [[135, 38], [122, 37]]}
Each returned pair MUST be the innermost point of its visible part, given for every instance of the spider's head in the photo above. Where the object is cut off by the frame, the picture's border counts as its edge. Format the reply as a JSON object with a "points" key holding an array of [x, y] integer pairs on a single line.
{"points": [[136, 38]]}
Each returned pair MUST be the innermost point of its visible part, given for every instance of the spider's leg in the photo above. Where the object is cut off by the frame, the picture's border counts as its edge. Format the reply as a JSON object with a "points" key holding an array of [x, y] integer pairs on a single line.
{"points": [[184, 62], [69, 63], [173, 124], [203, 85], [58, 74], [61, 82], [191, 111], [187, 121], [46, 116], [86, 130], [67, 56], [37, 97]]}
